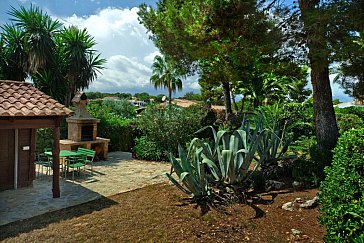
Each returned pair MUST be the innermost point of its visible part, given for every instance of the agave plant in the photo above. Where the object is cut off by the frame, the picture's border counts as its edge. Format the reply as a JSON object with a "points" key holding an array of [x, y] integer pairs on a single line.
{"points": [[271, 150], [191, 173], [232, 155]]}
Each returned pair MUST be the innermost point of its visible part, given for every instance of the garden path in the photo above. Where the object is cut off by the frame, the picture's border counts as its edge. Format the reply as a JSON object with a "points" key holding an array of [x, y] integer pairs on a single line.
{"points": [[120, 173]]}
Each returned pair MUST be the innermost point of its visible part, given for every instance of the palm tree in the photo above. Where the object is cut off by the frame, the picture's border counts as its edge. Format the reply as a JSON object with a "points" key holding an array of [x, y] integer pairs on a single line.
{"points": [[264, 87], [38, 29], [60, 61], [81, 61], [13, 53], [165, 75]]}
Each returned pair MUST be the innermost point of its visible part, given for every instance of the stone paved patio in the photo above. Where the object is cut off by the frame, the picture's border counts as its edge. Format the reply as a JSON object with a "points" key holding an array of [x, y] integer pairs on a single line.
{"points": [[119, 174]]}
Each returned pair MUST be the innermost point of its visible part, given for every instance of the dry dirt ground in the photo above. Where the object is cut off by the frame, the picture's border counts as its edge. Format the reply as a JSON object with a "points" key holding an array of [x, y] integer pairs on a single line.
{"points": [[161, 213]]}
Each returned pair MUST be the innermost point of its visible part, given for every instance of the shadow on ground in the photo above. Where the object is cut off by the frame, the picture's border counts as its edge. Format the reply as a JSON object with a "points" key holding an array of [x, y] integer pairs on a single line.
{"points": [[16, 228]]}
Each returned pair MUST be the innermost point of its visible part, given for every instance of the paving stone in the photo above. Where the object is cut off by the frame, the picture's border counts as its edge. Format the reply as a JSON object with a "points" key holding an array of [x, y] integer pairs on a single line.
{"points": [[119, 174]]}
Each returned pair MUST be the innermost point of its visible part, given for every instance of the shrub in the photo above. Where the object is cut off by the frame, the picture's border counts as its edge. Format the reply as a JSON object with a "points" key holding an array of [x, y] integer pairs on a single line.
{"points": [[113, 124], [44, 139], [147, 149], [356, 110], [306, 171], [342, 211], [348, 121], [296, 118], [169, 126], [122, 108]]}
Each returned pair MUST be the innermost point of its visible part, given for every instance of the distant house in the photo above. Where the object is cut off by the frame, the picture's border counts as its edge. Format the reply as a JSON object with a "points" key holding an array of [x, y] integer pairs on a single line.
{"points": [[138, 103], [356, 102], [23, 109]]}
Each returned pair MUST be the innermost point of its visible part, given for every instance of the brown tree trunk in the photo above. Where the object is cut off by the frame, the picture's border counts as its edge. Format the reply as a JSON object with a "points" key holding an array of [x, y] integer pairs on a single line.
{"points": [[242, 104], [228, 110], [324, 114]]}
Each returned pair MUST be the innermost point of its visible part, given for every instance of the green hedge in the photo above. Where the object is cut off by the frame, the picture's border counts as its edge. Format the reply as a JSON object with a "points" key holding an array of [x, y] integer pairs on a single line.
{"points": [[342, 211], [166, 127], [116, 123]]}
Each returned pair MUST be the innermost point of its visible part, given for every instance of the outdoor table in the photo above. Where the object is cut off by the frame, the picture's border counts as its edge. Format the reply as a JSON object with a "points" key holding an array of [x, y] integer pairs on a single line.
{"points": [[63, 154]]}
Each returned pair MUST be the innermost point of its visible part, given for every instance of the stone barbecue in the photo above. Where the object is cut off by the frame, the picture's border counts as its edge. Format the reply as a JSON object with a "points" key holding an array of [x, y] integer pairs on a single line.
{"points": [[82, 130]]}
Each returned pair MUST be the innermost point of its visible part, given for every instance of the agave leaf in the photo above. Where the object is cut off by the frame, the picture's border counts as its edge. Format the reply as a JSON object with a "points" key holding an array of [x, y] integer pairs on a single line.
{"points": [[221, 163], [242, 135], [176, 165], [227, 156], [250, 155], [285, 147], [212, 129], [194, 143], [213, 168], [184, 159], [224, 137], [170, 177]]}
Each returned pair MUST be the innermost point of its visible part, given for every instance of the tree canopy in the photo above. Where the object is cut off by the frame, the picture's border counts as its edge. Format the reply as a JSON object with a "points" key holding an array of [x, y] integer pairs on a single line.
{"points": [[60, 60]]}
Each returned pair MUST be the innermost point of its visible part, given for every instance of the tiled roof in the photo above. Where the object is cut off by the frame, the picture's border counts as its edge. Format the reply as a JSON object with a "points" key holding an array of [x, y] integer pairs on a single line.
{"points": [[21, 99]]}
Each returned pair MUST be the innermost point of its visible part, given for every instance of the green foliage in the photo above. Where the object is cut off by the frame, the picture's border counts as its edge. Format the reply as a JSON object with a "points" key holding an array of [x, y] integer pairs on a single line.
{"points": [[193, 96], [342, 211], [99, 95], [44, 139], [121, 108], [348, 121], [171, 125], [295, 118], [147, 149], [336, 102], [165, 76], [114, 124], [306, 171], [356, 110], [143, 96]]}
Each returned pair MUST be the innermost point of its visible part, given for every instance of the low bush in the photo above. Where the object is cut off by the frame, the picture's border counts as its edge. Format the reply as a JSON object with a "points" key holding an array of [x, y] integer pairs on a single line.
{"points": [[355, 110], [114, 124], [147, 149], [342, 211], [348, 121], [169, 126], [306, 171]]}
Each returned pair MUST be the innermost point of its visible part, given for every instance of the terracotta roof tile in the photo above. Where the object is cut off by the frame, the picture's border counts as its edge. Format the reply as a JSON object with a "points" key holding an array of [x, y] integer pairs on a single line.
{"points": [[23, 100]]}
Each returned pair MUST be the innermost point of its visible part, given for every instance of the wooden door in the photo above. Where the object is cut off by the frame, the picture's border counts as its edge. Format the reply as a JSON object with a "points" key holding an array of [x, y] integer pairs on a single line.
{"points": [[25, 169], [7, 158]]}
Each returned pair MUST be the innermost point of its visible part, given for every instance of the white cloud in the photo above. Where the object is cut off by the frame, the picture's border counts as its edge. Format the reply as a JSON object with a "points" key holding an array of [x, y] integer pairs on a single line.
{"points": [[128, 50], [150, 57]]}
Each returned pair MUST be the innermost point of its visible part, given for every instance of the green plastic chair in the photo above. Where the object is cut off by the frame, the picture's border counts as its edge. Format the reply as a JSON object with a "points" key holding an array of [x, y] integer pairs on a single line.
{"points": [[90, 155], [76, 163], [43, 162]]}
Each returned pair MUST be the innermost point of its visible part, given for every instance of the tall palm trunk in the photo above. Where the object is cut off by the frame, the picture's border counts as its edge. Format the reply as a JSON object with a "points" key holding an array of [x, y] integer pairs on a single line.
{"points": [[169, 92], [325, 121]]}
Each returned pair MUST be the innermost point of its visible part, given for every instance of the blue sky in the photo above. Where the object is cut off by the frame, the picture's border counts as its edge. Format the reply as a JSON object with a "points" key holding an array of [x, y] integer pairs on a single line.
{"points": [[120, 39]]}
